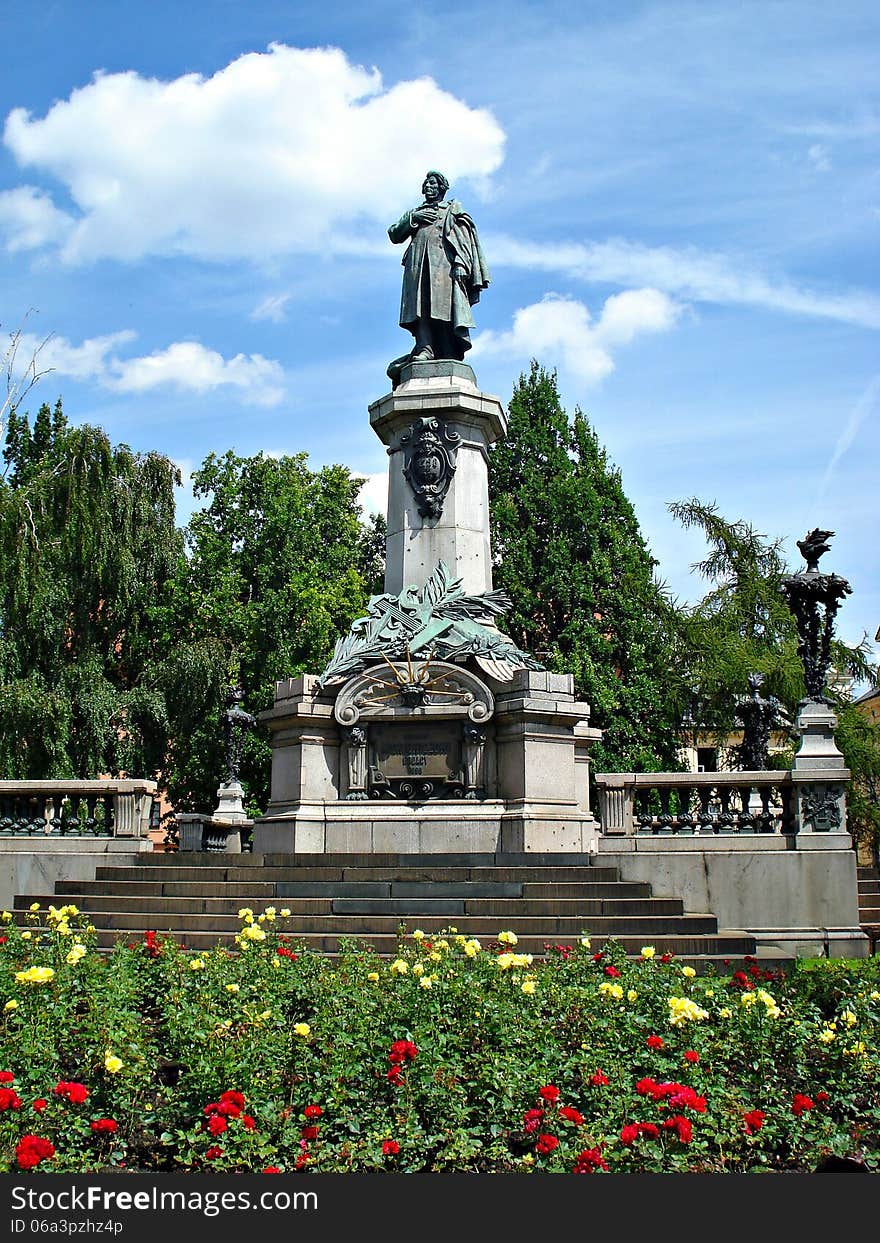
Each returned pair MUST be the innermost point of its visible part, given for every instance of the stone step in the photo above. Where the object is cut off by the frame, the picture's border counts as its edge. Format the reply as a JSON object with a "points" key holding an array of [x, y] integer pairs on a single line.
{"points": [[266, 891], [365, 923], [294, 874], [869, 886], [434, 903], [723, 949], [433, 861], [868, 873]]}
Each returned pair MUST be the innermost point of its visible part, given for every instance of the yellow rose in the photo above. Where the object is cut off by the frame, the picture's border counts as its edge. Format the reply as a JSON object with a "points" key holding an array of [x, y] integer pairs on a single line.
{"points": [[528, 987], [232, 988], [6, 917], [302, 1029], [112, 1063], [70, 910], [418, 968], [197, 964], [35, 975], [285, 912], [26, 936], [425, 982], [253, 932], [76, 953], [399, 967], [689, 972], [435, 957], [849, 1018], [472, 947], [607, 989], [373, 976], [724, 1013], [418, 935], [827, 1036], [441, 945], [631, 995], [35, 906], [648, 951], [508, 938], [585, 943], [11, 1005], [683, 1010]]}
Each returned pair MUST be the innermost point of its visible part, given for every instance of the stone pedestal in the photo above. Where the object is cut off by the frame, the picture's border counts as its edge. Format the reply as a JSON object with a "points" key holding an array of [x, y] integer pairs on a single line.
{"points": [[230, 802], [818, 774], [465, 421]]}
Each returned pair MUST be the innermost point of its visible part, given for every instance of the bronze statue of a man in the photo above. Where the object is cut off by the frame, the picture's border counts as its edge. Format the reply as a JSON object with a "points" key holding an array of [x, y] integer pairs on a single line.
{"points": [[444, 272]]}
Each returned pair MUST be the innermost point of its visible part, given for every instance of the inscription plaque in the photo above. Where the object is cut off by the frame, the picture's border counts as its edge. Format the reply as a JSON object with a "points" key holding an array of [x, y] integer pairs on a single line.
{"points": [[415, 762]]}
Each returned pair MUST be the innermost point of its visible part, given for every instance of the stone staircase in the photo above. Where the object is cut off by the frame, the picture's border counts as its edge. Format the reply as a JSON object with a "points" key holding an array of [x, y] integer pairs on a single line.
{"points": [[869, 905], [545, 899]]}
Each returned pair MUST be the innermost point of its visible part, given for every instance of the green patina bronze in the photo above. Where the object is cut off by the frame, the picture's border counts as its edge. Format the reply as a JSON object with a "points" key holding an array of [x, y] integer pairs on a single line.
{"points": [[437, 620], [444, 272]]}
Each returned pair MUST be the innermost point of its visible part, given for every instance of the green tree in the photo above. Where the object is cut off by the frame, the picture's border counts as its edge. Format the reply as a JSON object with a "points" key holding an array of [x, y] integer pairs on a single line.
{"points": [[568, 550], [87, 540], [742, 625], [277, 565]]}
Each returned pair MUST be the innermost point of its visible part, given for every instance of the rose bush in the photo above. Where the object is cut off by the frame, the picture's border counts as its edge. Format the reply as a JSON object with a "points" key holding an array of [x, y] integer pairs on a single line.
{"points": [[268, 1057]]}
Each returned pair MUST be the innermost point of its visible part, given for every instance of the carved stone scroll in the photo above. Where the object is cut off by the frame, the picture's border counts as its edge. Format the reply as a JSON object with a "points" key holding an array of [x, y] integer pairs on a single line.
{"points": [[429, 450]]}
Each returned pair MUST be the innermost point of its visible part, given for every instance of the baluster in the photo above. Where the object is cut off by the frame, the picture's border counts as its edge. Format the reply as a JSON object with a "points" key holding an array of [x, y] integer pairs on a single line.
{"points": [[789, 821], [91, 823], [109, 820], [665, 819], [746, 819], [644, 816], [73, 820], [685, 821], [727, 818], [766, 815], [707, 820]]}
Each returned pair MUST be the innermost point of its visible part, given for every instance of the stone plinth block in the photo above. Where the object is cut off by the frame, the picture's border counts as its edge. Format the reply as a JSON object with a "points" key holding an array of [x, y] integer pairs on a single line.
{"points": [[467, 422]]}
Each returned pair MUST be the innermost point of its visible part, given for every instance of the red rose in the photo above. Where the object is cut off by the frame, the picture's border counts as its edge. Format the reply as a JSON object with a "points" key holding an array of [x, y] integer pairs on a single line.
{"points": [[105, 1126], [309, 1132], [231, 1097], [6, 1076], [822, 1097], [217, 1124], [9, 1099], [228, 1109], [753, 1120], [666, 957], [801, 1104], [629, 1134], [402, 1051], [691, 1055], [39, 1105], [532, 1119], [76, 1093], [313, 1111], [613, 972], [549, 1093], [646, 1087], [546, 1143], [589, 1161], [248, 1122], [390, 1148], [572, 1115], [31, 1150], [213, 1153], [648, 1128], [681, 1126], [284, 952], [598, 957], [654, 1042], [272, 1169], [394, 1076]]}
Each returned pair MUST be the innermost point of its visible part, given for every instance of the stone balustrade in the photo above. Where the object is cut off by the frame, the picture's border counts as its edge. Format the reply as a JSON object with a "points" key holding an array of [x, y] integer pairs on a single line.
{"points": [[722, 803], [74, 809]]}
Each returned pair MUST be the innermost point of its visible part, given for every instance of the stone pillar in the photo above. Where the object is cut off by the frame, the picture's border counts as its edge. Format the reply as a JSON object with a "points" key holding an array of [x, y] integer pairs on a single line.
{"points": [[437, 426], [818, 775]]}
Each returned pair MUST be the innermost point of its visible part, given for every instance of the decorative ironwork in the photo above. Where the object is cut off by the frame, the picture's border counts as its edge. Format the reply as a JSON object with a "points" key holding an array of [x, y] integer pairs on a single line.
{"points": [[814, 599], [236, 724], [820, 807], [429, 449], [758, 716]]}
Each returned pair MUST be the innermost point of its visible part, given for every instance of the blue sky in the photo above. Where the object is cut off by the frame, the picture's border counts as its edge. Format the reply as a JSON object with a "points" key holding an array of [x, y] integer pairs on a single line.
{"points": [[679, 203]]}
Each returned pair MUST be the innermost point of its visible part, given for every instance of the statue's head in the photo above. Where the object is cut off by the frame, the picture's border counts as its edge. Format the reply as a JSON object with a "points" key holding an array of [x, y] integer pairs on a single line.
{"points": [[442, 183]]}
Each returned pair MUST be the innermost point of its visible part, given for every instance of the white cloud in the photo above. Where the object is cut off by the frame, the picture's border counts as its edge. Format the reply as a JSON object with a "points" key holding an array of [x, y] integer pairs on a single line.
{"points": [[29, 219], [290, 150], [373, 496], [865, 406], [818, 156], [563, 326], [185, 365], [688, 273], [272, 307]]}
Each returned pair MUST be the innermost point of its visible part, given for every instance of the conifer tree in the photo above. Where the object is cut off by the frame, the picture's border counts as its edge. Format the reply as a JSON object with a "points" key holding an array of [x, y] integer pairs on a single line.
{"points": [[568, 550]]}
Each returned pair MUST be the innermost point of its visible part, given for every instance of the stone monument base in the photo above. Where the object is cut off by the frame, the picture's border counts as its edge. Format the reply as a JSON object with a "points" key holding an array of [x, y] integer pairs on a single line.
{"points": [[528, 789]]}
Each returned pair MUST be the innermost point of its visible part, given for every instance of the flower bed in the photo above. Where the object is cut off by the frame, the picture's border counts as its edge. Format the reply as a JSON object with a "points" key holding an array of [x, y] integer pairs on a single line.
{"points": [[453, 1056]]}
